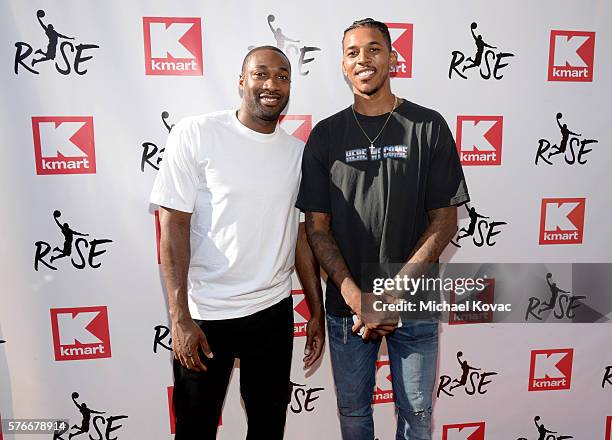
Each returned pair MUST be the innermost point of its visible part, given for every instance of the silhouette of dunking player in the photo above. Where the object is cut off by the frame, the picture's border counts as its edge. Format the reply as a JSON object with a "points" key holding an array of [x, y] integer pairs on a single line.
{"points": [[565, 132], [165, 115], [541, 429], [480, 45], [68, 238], [280, 38], [555, 293], [474, 216], [52, 35], [465, 371], [86, 413]]}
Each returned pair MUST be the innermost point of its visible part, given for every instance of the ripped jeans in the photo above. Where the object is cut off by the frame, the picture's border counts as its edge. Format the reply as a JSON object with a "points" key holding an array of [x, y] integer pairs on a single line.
{"points": [[413, 352]]}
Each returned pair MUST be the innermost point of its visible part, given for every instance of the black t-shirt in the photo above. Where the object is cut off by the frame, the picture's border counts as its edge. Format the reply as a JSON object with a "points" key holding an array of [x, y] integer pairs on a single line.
{"points": [[378, 199]]}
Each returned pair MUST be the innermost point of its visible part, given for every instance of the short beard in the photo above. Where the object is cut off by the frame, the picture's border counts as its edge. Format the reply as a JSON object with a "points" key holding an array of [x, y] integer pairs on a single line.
{"points": [[260, 112]]}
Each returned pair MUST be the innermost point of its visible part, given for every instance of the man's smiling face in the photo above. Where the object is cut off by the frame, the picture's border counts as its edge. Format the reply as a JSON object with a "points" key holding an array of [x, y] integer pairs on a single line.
{"points": [[265, 84], [367, 59]]}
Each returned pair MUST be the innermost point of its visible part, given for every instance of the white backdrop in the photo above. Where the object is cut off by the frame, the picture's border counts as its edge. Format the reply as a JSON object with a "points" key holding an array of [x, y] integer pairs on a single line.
{"points": [[115, 107]]}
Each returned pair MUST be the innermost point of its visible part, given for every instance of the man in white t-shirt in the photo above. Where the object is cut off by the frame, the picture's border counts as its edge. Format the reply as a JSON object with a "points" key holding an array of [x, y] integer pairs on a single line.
{"points": [[226, 191]]}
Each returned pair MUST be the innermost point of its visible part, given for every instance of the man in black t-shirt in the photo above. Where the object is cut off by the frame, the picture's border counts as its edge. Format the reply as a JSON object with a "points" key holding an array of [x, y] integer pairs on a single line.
{"points": [[381, 182]]}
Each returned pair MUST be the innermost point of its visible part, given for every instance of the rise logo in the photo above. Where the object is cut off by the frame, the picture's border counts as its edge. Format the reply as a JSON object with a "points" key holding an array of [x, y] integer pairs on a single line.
{"points": [[574, 154], [472, 380], [402, 42], [551, 369], [383, 390], [293, 51], [479, 139], [298, 126], [571, 56], [173, 46], [67, 64], [64, 145], [464, 431], [93, 421], [301, 313], [481, 229], [488, 60], [80, 251], [80, 333], [562, 220], [152, 155]]}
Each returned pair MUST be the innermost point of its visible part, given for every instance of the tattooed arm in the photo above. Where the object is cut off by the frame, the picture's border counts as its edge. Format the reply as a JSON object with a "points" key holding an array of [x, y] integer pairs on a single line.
{"points": [[441, 229], [327, 252]]}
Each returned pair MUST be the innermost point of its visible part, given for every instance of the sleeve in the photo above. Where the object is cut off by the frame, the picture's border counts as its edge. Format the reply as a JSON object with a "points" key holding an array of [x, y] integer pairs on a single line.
{"points": [[445, 182], [314, 187], [176, 184]]}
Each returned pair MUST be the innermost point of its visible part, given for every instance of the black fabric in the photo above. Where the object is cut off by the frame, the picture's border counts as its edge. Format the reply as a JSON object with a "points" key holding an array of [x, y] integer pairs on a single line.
{"points": [[378, 200], [264, 343]]}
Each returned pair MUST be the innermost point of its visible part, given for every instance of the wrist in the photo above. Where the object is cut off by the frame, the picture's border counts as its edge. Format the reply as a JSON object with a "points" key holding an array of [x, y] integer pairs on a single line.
{"points": [[180, 317], [318, 314]]}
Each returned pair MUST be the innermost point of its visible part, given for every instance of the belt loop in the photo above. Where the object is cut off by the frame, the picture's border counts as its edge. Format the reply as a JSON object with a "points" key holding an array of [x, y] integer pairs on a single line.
{"points": [[345, 328]]}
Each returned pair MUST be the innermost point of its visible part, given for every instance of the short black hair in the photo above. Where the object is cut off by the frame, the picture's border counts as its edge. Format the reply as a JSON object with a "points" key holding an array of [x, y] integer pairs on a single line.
{"points": [[258, 48], [371, 23]]}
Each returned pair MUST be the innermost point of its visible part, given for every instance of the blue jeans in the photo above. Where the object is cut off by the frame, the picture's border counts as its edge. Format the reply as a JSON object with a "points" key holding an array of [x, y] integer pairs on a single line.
{"points": [[413, 353]]}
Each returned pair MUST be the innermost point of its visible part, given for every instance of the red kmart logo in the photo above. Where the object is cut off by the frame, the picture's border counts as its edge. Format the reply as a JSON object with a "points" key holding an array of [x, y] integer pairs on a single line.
{"points": [[402, 43], [551, 369], [298, 126], [562, 220], [383, 390], [173, 45], [464, 431], [80, 333], [301, 313], [571, 56], [64, 144], [479, 139], [486, 296]]}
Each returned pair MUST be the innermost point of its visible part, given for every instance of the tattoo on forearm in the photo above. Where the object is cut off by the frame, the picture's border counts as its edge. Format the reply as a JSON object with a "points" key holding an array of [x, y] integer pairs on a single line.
{"points": [[326, 251]]}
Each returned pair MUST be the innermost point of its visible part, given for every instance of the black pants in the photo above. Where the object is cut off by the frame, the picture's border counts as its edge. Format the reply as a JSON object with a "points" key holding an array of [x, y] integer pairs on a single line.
{"points": [[264, 343]]}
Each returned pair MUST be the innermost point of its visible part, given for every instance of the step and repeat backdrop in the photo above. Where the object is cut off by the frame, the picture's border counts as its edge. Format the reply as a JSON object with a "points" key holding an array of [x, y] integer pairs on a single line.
{"points": [[90, 91]]}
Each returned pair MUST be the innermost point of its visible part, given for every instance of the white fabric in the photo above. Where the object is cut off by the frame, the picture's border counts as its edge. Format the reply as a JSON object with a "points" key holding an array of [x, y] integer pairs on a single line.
{"points": [[241, 187]]}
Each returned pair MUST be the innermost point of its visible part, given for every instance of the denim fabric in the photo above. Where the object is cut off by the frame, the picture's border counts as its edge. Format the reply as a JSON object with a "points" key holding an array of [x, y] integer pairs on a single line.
{"points": [[413, 352]]}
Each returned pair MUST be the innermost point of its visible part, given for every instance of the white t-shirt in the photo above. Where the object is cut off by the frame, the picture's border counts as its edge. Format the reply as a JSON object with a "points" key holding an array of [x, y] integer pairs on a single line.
{"points": [[241, 186]]}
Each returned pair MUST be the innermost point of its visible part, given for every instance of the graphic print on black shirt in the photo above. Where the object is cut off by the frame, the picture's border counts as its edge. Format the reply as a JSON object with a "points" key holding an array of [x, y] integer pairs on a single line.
{"points": [[379, 197]]}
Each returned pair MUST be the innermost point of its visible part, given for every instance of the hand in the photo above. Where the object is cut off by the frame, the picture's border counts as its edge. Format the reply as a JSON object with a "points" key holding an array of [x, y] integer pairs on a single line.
{"points": [[376, 323], [353, 300], [315, 340], [187, 337]]}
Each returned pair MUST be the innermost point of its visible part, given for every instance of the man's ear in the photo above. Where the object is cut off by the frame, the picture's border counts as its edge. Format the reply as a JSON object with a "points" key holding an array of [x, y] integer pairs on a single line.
{"points": [[241, 82], [343, 69]]}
